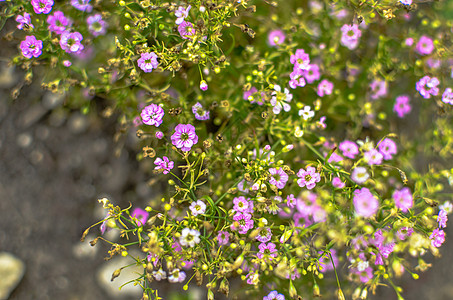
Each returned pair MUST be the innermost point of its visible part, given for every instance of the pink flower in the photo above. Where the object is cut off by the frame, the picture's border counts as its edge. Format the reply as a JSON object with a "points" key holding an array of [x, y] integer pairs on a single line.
{"points": [[163, 164], [300, 59], [373, 157], [264, 234], [82, 5], [274, 295], [184, 137], [425, 45], [203, 85], [406, 2], [437, 237], [152, 115], [291, 201], [311, 73], [359, 175], [148, 61], [350, 35], [365, 203], [199, 112], [197, 208], [96, 25], [402, 106], [24, 21], [58, 22], [308, 178], [442, 218], [349, 149], [427, 86], [278, 177], [403, 199], [404, 232], [70, 42], [177, 276], [181, 13], [67, 63], [186, 29], [42, 6], [337, 183], [325, 87], [447, 96], [31, 47], [378, 89], [223, 237], [297, 78], [276, 37], [244, 221], [159, 135], [387, 148], [242, 205], [140, 214], [267, 251]]}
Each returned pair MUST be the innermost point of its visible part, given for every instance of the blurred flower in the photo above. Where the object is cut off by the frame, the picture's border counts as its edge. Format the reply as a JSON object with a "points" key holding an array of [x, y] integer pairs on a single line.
{"points": [[437, 237], [349, 149], [442, 218], [350, 35], [300, 59], [365, 203], [387, 148], [425, 45], [199, 112], [447, 96], [276, 37], [140, 214], [82, 5], [71, 42], [427, 86], [96, 25], [402, 106], [58, 22], [181, 13], [403, 199]]}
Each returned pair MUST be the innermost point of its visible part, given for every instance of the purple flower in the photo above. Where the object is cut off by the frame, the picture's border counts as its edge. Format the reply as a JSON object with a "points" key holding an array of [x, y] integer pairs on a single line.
{"points": [[403, 199], [242, 205], [447, 96], [349, 149], [264, 234], [291, 201], [402, 106], [278, 177], [58, 22], [186, 30], [442, 218], [378, 89], [96, 25], [311, 73], [437, 237], [359, 175], [67, 63], [325, 263], [141, 215], [223, 237], [181, 13], [24, 21], [425, 45], [152, 115], [337, 183], [427, 86], [203, 85], [199, 112], [325, 87], [164, 164], [184, 137], [350, 35], [31, 47], [406, 2], [387, 148], [300, 59], [159, 135], [276, 37], [308, 178], [274, 295], [267, 251], [197, 208], [365, 203], [70, 42], [82, 5], [42, 6], [296, 78], [147, 61], [177, 276], [373, 157], [244, 221]]}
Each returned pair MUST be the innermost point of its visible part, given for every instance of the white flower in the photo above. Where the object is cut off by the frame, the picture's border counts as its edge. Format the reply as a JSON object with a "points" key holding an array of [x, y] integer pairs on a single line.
{"points": [[189, 237], [447, 206], [197, 208], [362, 265], [159, 274], [279, 99], [360, 175], [177, 276], [306, 113]]}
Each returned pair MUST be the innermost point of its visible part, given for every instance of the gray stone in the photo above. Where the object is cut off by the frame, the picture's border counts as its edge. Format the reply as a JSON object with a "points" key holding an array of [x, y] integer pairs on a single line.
{"points": [[12, 270]]}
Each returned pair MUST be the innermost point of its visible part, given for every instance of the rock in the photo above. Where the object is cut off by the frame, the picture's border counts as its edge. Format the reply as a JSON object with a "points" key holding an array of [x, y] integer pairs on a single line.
{"points": [[12, 270]]}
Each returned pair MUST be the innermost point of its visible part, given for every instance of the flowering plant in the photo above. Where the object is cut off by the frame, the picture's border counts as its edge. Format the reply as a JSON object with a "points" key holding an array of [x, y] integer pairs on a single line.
{"points": [[289, 135]]}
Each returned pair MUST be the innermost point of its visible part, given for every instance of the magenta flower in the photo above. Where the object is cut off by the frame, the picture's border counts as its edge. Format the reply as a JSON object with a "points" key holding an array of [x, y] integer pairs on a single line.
{"points": [[267, 251], [152, 115], [425, 45], [296, 78], [349, 149], [82, 5], [184, 137], [308, 178], [378, 89], [247, 94], [242, 205], [197, 208], [402, 106], [437, 237], [312, 73], [159, 135], [278, 177], [42, 6], [300, 59], [24, 21], [264, 234], [447, 96], [203, 85], [58, 22], [164, 164], [373, 157], [140, 214], [364, 275], [147, 61], [338, 183], [67, 63], [31, 47], [199, 112], [244, 221], [350, 35], [442, 218], [181, 13], [325, 87], [427, 86], [291, 201], [387, 148], [186, 30], [274, 295], [96, 25], [223, 237], [365, 203], [403, 199], [70, 42], [276, 37]]}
